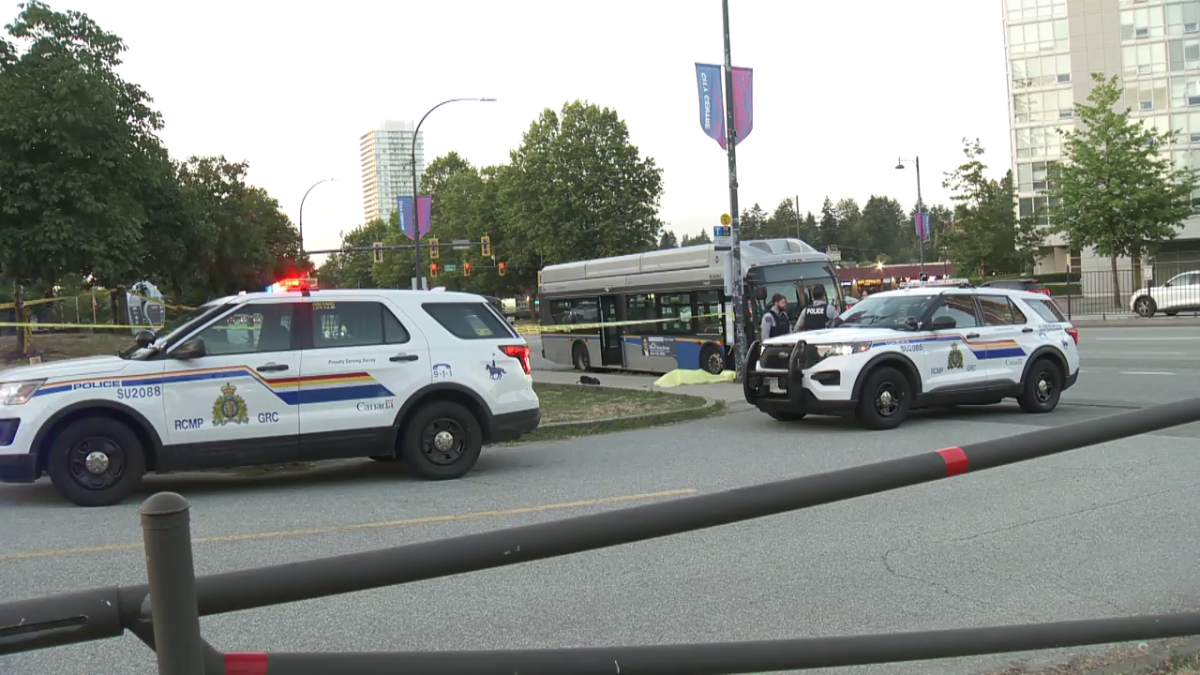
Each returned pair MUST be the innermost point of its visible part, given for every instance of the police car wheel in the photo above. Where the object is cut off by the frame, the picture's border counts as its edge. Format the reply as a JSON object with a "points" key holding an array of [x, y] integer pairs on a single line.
{"points": [[442, 441], [1042, 389], [712, 360], [96, 461], [885, 399]]}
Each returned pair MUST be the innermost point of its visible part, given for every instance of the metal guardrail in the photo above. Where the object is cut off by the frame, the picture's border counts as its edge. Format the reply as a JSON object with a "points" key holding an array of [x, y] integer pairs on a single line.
{"points": [[1172, 290], [164, 613]]}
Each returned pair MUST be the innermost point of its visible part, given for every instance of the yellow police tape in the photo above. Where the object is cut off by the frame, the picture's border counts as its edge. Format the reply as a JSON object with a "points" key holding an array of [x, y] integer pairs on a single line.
{"points": [[93, 294]]}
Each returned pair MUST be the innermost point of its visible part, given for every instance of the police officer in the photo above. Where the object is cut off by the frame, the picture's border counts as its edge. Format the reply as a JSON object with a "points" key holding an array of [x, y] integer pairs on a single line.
{"points": [[775, 320], [818, 314]]}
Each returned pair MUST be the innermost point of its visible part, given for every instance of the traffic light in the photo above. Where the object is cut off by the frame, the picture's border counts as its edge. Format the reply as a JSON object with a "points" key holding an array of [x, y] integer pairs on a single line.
{"points": [[433, 269], [378, 246], [433, 249], [487, 246], [501, 268], [466, 269]]}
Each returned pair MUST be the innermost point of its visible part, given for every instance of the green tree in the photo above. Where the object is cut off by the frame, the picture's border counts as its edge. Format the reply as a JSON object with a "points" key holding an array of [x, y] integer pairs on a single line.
{"points": [[879, 230], [753, 224], [354, 268], [1117, 191], [668, 240], [76, 143], [442, 169], [696, 240], [245, 241], [829, 229], [984, 234], [577, 188]]}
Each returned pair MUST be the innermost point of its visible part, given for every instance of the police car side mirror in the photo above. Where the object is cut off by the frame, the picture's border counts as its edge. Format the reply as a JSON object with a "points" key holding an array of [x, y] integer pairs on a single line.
{"points": [[944, 322], [144, 338], [192, 349]]}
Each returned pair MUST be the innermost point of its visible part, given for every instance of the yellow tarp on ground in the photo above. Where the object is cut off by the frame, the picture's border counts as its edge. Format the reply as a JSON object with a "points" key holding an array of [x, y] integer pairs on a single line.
{"points": [[676, 378]]}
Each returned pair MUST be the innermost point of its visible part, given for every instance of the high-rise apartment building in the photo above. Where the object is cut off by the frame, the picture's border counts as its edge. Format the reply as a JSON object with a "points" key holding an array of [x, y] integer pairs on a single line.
{"points": [[387, 172], [1053, 47]]}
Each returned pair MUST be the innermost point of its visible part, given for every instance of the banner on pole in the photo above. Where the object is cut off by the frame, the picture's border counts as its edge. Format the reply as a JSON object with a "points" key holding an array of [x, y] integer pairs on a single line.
{"points": [[404, 206], [712, 108], [743, 103], [921, 225]]}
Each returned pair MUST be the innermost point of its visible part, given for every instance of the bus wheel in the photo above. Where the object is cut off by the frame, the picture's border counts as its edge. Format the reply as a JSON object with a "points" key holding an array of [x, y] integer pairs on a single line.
{"points": [[712, 360], [579, 356]]}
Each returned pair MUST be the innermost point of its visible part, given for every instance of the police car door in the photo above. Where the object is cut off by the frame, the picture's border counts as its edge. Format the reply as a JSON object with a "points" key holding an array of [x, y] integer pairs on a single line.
{"points": [[362, 359], [236, 404], [951, 363], [1001, 355]]}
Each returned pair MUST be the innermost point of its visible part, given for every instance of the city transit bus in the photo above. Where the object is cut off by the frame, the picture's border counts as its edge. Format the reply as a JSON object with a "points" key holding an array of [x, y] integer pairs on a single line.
{"points": [[663, 310]]}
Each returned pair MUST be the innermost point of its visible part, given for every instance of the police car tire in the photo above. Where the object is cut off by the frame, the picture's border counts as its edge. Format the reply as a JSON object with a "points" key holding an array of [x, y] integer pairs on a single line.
{"points": [[1029, 391], [58, 465], [868, 414], [415, 429]]}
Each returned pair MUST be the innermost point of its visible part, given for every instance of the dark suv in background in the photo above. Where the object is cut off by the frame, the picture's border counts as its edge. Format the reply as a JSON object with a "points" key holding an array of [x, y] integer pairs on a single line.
{"points": [[1030, 285]]}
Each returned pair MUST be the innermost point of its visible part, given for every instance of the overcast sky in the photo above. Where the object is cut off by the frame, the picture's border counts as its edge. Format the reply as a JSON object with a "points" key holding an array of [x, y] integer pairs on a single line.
{"points": [[841, 88]]}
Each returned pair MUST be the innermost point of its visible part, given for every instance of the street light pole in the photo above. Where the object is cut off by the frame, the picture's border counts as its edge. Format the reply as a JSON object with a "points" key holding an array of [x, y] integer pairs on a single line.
{"points": [[920, 209], [415, 187], [735, 240], [324, 180]]}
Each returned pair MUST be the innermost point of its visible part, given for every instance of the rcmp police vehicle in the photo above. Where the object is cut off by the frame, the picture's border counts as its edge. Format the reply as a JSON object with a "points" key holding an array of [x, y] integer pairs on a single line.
{"points": [[925, 345], [427, 378]]}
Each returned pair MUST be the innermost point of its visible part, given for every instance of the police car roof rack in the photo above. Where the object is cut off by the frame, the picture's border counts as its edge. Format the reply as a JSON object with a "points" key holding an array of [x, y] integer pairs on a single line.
{"points": [[943, 283]]}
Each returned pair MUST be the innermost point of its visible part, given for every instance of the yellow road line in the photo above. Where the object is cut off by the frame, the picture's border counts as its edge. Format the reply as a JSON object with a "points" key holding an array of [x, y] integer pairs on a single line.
{"points": [[334, 529]]}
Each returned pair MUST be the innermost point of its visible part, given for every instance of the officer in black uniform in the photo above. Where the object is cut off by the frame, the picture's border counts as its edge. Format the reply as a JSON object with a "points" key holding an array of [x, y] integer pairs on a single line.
{"points": [[775, 320], [818, 314]]}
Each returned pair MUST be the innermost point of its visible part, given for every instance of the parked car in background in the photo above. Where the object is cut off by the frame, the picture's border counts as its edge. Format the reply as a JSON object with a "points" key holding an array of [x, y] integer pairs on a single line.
{"points": [[1179, 294], [1028, 285]]}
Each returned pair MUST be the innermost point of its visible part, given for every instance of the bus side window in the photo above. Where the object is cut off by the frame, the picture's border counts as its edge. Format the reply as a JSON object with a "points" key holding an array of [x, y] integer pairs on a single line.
{"points": [[641, 308], [708, 307], [677, 306]]}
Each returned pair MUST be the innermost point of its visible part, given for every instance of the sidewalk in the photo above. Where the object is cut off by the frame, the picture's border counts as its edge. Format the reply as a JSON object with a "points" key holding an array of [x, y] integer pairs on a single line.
{"points": [[728, 392], [1132, 321]]}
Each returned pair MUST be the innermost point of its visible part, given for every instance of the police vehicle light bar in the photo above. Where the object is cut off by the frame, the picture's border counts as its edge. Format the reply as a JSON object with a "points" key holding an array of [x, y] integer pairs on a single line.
{"points": [[293, 284], [940, 282]]}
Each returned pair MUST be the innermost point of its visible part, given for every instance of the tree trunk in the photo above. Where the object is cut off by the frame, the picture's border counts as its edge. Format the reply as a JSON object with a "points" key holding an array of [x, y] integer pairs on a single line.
{"points": [[23, 333], [1116, 282]]}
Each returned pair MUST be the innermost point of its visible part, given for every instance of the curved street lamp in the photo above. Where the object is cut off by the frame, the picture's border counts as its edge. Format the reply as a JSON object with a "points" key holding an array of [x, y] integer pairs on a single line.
{"points": [[920, 207], [324, 180], [415, 187]]}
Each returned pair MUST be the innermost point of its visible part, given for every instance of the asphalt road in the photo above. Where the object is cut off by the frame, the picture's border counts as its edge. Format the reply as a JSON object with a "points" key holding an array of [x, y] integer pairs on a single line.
{"points": [[1104, 531]]}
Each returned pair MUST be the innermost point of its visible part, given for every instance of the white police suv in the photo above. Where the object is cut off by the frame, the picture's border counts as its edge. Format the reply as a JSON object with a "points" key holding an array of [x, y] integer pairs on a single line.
{"points": [[423, 377], [928, 344]]}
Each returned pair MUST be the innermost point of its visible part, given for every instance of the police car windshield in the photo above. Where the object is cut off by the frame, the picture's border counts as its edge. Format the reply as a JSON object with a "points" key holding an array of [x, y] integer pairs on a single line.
{"points": [[173, 329], [884, 311]]}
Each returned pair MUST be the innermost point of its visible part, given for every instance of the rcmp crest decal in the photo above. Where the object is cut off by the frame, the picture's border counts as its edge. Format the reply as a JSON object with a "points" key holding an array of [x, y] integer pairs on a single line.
{"points": [[956, 358], [229, 408]]}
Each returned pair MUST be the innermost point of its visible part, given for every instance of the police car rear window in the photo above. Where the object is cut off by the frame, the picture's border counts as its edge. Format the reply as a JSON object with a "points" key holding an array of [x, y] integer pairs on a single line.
{"points": [[1047, 310], [469, 320]]}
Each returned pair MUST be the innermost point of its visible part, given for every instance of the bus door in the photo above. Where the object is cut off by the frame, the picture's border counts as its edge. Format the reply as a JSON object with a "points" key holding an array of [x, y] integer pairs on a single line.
{"points": [[611, 353]]}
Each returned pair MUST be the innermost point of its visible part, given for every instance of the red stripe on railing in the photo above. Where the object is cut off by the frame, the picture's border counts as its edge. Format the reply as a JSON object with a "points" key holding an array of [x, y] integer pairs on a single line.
{"points": [[955, 459], [245, 664]]}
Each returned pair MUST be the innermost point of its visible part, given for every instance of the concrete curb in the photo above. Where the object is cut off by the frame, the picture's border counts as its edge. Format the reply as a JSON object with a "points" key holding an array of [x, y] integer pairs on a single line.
{"points": [[708, 403], [1135, 323]]}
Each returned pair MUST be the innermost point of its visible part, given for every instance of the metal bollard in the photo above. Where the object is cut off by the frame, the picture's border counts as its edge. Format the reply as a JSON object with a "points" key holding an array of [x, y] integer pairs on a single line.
{"points": [[166, 532]]}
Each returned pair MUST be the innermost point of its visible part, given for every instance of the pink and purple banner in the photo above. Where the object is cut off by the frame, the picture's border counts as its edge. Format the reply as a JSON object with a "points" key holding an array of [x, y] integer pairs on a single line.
{"points": [[425, 209], [921, 225], [712, 102], [743, 103]]}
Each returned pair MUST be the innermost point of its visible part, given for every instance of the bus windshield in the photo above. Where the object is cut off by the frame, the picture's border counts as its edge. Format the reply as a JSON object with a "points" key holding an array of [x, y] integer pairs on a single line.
{"points": [[795, 282]]}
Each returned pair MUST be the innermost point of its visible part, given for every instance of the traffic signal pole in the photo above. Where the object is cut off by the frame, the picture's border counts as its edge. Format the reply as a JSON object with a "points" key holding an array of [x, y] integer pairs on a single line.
{"points": [[735, 241]]}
